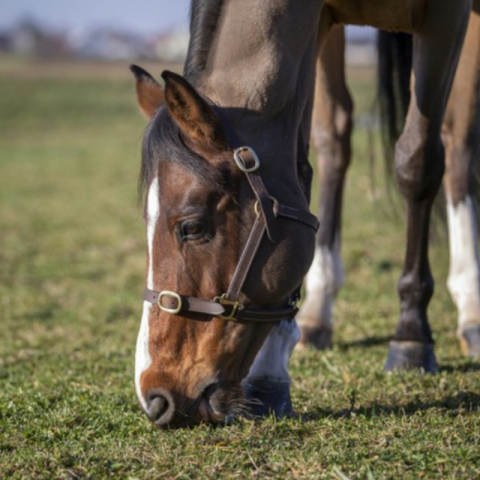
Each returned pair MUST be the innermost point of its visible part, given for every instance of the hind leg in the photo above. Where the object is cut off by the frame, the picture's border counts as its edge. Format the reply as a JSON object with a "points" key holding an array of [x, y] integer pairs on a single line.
{"points": [[331, 129], [461, 139], [419, 164]]}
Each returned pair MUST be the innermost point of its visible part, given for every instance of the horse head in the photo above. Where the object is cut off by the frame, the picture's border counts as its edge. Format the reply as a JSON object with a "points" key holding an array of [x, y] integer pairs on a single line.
{"points": [[204, 216]]}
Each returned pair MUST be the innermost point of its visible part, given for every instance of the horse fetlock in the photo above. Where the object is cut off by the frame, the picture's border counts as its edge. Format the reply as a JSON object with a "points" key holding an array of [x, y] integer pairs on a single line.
{"points": [[414, 291], [316, 313], [268, 397], [324, 280], [319, 338], [469, 337], [411, 356]]}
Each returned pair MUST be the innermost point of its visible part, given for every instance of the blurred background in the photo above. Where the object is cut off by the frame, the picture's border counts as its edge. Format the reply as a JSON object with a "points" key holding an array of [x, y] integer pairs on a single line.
{"points": [[72, 252], [115, 30]]}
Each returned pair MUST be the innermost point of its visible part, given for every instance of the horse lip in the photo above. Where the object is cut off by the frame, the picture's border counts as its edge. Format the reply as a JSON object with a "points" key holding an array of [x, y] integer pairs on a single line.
{"points": [[205, 408]]}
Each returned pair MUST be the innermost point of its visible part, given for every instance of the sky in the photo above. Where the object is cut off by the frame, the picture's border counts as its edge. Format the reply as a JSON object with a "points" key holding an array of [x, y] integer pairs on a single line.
{"points": [[139, 16]]}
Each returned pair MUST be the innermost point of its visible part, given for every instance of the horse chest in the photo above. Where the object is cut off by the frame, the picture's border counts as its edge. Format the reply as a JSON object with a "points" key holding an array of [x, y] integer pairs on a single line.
{"points": [[397, 15]]}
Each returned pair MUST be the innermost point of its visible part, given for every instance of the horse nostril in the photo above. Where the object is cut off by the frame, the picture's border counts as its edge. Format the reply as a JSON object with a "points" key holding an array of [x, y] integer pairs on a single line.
{"points": [[160, 406]]}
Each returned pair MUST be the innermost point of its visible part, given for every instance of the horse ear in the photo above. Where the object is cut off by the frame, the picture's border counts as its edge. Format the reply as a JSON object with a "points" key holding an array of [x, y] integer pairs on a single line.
{"points": [[197, 120], [150, 95]]}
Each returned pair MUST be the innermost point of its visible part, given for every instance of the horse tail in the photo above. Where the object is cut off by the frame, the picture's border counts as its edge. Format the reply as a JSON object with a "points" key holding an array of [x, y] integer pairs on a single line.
{"points": [[393, 91], [393, 97]]}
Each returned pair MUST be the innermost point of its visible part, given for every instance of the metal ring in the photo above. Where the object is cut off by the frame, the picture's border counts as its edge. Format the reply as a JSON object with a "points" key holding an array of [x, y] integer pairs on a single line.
{"points": [[257, 205], [236, 307], [176, 296], [239, 160]]}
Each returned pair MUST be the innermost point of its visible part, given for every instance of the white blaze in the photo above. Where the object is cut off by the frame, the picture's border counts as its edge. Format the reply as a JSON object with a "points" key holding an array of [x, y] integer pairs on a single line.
{"points": [[463, 279], [142, 355], [323, 281]]}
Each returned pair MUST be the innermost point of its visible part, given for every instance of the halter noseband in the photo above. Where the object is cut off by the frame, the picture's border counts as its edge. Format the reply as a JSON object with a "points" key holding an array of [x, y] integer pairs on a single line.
{"points": [[267, 209]]}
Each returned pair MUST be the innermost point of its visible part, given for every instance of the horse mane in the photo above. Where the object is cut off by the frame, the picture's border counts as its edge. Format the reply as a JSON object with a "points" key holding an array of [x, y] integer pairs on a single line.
{"points": [[204, 15]]}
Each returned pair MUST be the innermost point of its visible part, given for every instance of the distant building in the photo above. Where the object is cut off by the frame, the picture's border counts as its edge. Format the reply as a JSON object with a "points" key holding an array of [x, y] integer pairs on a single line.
{"points": [[28, 39], [171, 46], [108, 44]]}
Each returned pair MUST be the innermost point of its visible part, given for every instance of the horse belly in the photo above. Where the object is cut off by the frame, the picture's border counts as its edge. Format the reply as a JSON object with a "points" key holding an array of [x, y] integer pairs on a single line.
{"points": [[397, 15]]}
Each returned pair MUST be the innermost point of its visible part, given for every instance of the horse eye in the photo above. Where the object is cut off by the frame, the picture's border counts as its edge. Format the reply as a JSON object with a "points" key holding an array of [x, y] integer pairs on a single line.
{"points": [[192, 230]]}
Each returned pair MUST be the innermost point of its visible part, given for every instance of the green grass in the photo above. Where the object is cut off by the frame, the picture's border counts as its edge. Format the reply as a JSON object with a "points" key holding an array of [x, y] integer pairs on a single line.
{"points": [[71, 275]]}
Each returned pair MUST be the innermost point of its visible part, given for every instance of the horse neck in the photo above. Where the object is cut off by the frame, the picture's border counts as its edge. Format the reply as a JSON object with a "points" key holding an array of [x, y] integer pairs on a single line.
{"points": [[260, 70]]}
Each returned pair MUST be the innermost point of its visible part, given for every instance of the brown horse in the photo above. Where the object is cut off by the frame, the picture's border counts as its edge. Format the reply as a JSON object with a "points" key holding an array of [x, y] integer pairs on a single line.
{"points": [[249, 80], [460, 133]]}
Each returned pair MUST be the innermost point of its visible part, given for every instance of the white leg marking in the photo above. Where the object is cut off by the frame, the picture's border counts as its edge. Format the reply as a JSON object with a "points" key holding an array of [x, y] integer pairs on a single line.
{"points": [[323, 281], [272, 360], [142, 355], [463, 279]]}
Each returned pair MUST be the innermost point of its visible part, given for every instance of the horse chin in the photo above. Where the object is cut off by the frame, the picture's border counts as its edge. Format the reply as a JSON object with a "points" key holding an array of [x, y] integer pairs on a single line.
{"points": [[210, 414], [219, 404]]}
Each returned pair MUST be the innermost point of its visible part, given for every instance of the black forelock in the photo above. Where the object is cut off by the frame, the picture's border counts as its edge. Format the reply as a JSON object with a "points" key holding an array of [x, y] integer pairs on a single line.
{"points": [[162, 143]]}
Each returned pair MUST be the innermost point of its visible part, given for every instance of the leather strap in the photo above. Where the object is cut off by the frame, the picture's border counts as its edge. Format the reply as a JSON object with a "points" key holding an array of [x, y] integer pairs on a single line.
{"points": [[184, 304], [170, 301], [253, 177], [291, 213], [257, 315], [246, 259], [265, 203]]}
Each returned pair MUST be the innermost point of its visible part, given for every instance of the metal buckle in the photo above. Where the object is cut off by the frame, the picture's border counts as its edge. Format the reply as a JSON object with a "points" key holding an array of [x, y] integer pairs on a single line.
{"points": [[257, 205], [237, 306], [176, 296], [239, 160]]}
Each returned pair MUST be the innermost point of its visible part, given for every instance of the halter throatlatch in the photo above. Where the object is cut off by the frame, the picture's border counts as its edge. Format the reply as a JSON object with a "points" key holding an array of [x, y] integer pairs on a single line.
{"points": [[267, 209]]}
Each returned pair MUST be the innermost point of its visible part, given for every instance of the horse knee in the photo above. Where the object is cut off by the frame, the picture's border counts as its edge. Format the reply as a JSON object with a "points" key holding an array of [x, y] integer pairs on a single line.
{"points": [[332, 128], [419, 164]]}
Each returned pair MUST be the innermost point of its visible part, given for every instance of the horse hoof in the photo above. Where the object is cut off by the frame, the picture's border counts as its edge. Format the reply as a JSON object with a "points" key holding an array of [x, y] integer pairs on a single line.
{"points": [[266, 397], [410, 356], [318, 338], [470, 340]]}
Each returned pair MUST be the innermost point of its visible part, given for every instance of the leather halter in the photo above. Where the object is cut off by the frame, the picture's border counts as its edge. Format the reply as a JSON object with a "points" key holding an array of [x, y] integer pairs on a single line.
{"points": [[267, 209]]}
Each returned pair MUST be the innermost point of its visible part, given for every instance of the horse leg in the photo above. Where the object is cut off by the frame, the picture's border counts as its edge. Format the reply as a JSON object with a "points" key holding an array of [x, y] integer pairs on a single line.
{"points": [[267, 385], [419, 165], [460, 136], [331, 129]]}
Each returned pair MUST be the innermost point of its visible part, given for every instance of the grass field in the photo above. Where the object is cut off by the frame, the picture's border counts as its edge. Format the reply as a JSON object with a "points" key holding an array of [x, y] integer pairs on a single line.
{"points": [[71, 276]]}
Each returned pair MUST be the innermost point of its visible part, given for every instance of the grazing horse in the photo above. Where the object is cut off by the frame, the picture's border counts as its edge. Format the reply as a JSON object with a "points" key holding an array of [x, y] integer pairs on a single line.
{"points": [[461, 139], [226, 175]]}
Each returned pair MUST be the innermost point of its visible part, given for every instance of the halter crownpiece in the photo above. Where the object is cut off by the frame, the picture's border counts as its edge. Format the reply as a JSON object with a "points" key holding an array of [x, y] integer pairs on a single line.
{"points": [[267, 209]]}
